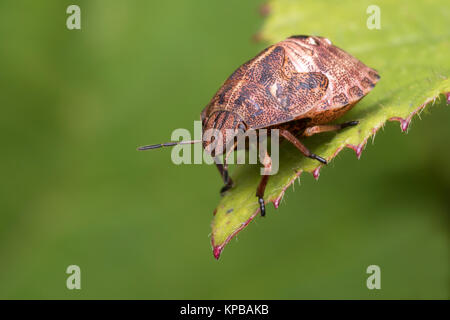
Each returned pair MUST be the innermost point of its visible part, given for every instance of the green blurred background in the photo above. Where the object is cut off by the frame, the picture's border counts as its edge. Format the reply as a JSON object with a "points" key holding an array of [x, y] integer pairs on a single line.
{"points": [[75, 104]]}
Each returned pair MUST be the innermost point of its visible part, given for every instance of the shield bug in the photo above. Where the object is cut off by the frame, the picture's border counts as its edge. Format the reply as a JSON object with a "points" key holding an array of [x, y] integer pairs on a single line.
{"points": [[297, 86]]}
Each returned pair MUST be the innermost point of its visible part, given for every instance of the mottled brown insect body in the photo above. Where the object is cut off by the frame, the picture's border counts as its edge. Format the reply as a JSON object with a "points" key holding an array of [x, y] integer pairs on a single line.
{"points": [[300, 77], [298, 86]]}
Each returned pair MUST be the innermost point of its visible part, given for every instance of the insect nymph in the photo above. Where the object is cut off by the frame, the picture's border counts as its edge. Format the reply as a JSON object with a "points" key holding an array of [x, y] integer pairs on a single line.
{"points": [[297, 86]]}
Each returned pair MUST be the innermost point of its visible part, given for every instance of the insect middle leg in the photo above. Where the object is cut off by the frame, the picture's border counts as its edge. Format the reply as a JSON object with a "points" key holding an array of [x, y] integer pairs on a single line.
{"points": [[327, 127], [292, 139], [267, 162]]}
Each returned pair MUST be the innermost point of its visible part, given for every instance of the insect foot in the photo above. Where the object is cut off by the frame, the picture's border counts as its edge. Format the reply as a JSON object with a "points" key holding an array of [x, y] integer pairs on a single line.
{"points": [[318, 158], [225, 188], [262, 206], [349, 124]]}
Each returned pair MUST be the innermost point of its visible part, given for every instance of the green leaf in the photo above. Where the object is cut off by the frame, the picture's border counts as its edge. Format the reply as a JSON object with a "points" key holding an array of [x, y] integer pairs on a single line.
{"points": [[411, 53]]}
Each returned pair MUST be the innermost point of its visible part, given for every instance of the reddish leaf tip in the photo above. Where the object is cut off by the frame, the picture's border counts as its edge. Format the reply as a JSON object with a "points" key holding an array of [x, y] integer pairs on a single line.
{"points": [[276, 203], [358, 149], [216, 251], [404, 123], [316, 173]]}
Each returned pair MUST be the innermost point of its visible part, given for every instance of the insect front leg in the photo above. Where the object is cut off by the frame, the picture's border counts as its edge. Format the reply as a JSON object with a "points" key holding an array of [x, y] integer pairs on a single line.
{"points": [[327, 128], [267, 162], [300, 146], [228, 183], [223, 169]]}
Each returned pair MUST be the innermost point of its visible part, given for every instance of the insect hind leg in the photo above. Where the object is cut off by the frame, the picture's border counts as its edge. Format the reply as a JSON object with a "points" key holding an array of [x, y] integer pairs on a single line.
{"points": [[300, 146], [310, 131]]}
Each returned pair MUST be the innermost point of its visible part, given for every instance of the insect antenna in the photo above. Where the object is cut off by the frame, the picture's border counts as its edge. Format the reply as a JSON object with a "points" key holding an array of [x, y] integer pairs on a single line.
{"points": [[167, 144]]}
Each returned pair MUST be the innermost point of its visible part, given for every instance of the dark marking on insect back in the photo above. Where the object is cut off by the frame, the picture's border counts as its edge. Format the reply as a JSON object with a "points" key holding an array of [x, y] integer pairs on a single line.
{"points": [[366, 83], [340, 99], [319, 79], [256, 106], [238, 73], [301, 91], [220, 119], [270, 66], [266, 74], [355, 92], [247, 98], [216, 118], [312, 82], [223, 94], [374, 75], [223, 120], [241, 98]]}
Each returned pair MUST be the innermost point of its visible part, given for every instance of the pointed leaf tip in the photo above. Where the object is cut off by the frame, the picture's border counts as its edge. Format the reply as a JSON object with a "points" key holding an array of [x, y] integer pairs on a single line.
{"points": [[217, 251]]}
